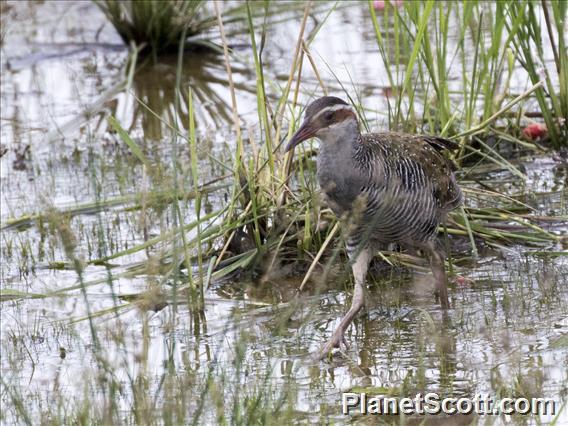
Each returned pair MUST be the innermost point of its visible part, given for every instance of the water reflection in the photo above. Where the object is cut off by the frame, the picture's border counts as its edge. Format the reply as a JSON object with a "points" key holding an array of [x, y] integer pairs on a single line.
{"points": [[154, 87]]}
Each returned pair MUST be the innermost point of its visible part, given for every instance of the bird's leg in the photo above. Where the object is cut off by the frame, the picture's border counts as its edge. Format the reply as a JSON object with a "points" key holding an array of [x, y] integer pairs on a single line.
{"points": [[439, 272], [360, 267]]}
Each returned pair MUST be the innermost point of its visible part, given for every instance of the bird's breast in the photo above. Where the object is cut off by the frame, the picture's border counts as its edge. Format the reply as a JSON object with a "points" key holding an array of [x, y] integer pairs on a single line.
{"points": [[339, 189]]}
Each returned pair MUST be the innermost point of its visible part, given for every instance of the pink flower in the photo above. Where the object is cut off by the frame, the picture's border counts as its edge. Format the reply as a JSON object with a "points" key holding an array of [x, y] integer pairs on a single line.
{"points": [[535, 130], [381, 4], [463, 281]]}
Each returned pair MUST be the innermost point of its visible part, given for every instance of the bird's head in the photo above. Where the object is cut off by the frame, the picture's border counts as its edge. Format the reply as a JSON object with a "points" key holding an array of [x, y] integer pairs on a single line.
{"points": [[327, 116]]}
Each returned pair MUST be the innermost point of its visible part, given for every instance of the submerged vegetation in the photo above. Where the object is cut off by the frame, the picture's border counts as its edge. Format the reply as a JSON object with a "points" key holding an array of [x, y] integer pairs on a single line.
{"points": [[474, 72]]}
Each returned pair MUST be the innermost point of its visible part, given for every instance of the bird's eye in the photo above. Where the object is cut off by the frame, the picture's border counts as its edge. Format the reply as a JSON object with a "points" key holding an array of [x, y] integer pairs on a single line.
{"points": [[328, 116]]}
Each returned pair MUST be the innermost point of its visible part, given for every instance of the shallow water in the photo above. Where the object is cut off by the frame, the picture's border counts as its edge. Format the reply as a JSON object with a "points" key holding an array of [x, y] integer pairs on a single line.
{"points": [[504, 335]]}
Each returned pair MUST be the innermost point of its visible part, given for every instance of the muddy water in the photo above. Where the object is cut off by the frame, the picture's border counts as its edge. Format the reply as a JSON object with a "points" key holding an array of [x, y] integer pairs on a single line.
{"points": [[505, 334]]}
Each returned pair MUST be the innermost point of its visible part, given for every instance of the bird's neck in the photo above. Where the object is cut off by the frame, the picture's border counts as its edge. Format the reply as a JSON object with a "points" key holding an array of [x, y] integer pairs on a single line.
{"points": [[338, 172], [339, 141], [336, 156]]}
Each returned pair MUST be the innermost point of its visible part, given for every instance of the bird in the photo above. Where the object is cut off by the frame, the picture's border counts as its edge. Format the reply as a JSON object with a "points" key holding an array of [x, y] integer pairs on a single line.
{"points": [[387, 187]]}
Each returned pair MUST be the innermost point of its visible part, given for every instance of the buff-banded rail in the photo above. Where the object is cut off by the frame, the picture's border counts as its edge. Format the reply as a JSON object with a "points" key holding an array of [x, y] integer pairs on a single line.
{"points": [[389, 187]]}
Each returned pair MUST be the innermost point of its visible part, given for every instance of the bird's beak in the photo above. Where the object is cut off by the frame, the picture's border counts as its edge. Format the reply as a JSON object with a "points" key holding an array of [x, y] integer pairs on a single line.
{"points": [[306, 131]]}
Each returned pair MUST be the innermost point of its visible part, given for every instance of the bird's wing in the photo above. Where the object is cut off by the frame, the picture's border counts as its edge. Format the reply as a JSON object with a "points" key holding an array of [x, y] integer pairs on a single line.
{"points": [[416, 164]]}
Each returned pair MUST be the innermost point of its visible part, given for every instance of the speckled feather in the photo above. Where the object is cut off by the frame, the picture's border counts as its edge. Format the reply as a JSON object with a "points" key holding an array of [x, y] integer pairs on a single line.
{"points": [[396, 187], [415, 160]]}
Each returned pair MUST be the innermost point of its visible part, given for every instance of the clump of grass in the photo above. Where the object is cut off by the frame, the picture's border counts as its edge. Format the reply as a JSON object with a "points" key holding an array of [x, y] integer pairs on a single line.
{"points": [[159, 24], [493, 40], [527, 35]]}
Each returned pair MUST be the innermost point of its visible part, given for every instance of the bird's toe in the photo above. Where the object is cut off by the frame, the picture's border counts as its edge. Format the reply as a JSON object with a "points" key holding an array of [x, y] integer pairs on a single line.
{"points": [[333, 343]]}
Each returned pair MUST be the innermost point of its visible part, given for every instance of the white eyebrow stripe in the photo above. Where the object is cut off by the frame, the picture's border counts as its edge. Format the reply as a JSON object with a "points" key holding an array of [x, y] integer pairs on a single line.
{"points": [[334, 108]]}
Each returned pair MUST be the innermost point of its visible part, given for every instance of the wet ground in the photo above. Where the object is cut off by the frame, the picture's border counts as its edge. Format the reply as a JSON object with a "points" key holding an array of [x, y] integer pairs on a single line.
{"points": [[505, 333]]}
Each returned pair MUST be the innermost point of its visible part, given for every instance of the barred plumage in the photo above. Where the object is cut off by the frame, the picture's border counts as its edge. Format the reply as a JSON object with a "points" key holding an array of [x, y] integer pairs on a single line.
{"points": [[389, 187], [408, 188]]}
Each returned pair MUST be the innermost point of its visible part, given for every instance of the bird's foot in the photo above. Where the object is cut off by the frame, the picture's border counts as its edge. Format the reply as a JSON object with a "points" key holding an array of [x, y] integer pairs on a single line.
{"points": [[337, 338]]}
